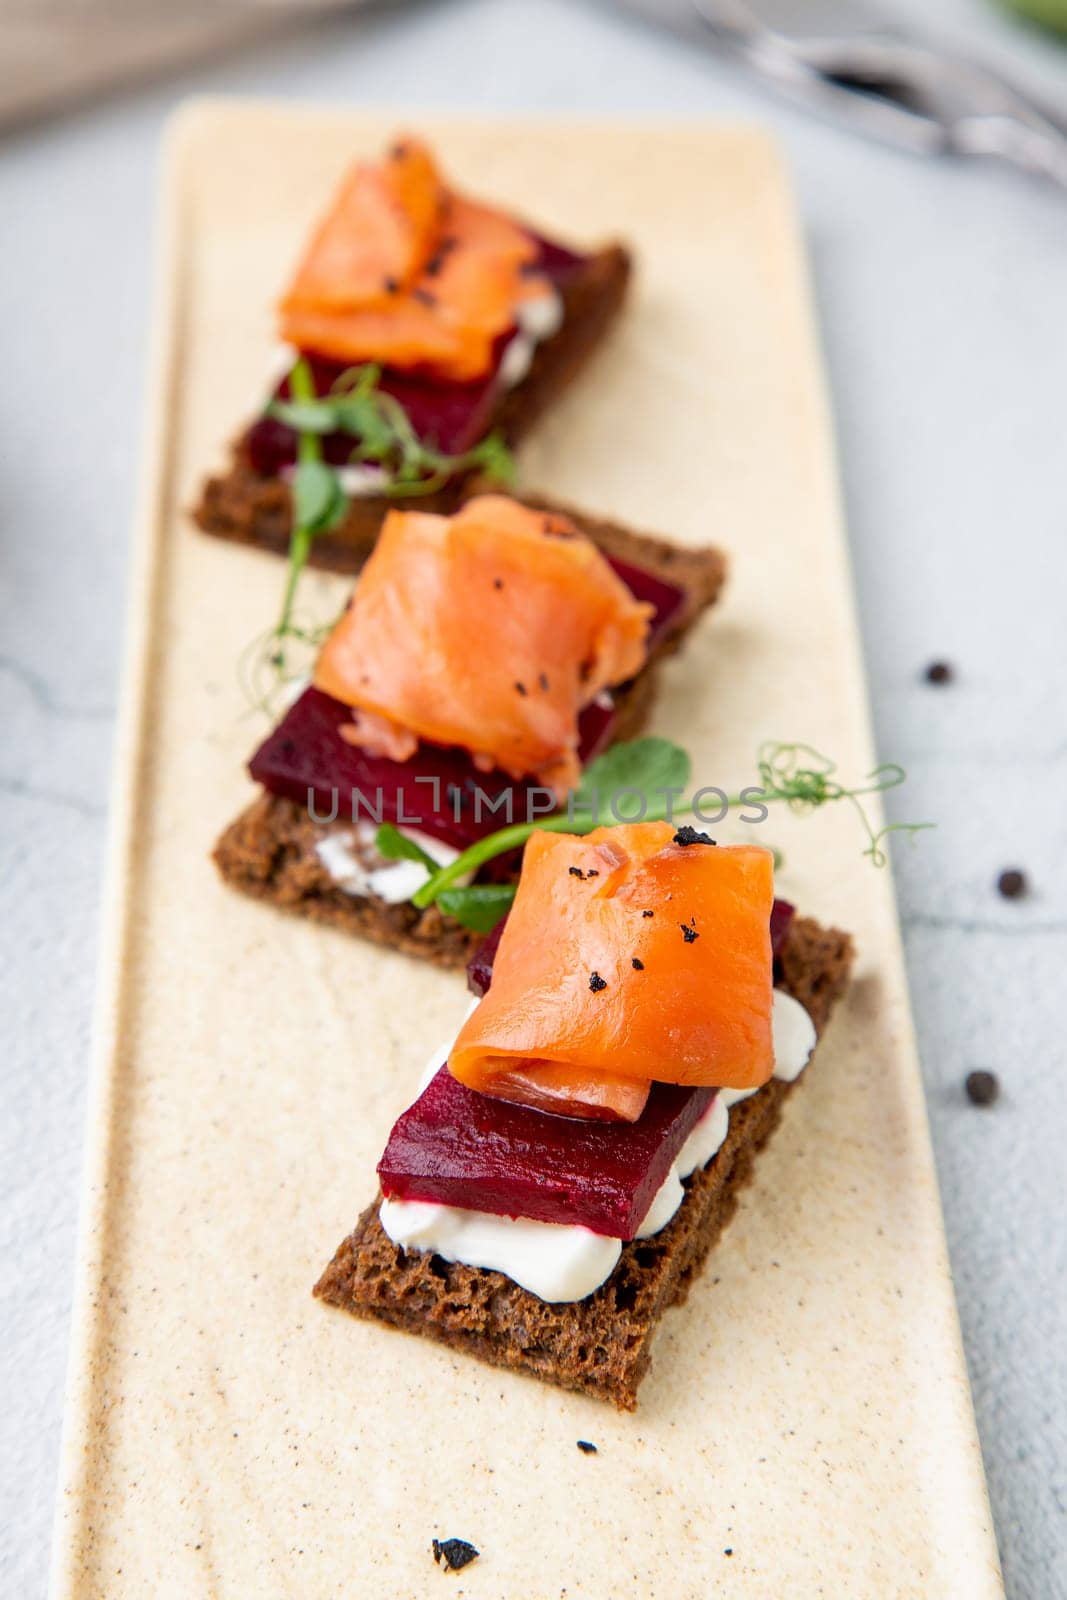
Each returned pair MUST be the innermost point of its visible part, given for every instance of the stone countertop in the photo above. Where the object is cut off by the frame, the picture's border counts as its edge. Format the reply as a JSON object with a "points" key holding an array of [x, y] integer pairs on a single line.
{"points": [[941, 299]]}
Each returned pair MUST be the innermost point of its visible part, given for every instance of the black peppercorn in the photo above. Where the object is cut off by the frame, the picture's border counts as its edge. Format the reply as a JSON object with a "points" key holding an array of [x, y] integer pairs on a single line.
{"points": [[982, 1088]]}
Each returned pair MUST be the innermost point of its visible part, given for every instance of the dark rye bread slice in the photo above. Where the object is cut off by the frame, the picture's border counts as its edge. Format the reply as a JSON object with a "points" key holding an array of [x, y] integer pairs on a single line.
{"points": [[244, 506], [600, 1346], [269, 850]]}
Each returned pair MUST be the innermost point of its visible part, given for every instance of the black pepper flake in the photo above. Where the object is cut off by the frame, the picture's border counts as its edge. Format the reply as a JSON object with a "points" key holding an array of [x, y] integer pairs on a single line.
{"points": [[1012, 884], [552, 528], [424, 297], [542, 678], [688, 835], [398, 151], [689, 933], [454, 1553], [648, 913], [586, 1447], [938, 672], [729, 1550], [592, 873], [638, 966], [434, 265], [576, 872], [596, 982], [391, 285], [498, 583], [982, 1088], [521, 687]]}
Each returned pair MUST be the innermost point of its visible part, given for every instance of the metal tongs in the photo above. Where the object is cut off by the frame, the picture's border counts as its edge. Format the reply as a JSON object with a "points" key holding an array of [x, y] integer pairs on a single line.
{"points": [[835, 56]]}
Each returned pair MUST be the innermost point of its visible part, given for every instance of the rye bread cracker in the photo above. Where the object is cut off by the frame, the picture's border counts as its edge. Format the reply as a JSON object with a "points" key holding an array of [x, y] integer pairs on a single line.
{"points": [[269, 850], [600, 1346], [242, 505]]}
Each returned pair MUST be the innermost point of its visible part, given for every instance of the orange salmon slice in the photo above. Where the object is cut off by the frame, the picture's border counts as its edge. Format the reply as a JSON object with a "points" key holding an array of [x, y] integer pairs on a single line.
{"points": [[627, 958], [403, 271], [490, 630]]}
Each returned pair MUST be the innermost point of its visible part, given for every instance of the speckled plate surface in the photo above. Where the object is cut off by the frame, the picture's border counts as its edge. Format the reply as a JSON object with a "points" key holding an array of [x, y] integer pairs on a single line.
{"points": [[806, 1428]]}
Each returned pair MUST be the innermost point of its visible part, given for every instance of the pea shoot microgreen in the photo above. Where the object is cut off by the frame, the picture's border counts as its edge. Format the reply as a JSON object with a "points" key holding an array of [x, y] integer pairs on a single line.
{"points": [[382, 437], [396, 846], [659, 770]]}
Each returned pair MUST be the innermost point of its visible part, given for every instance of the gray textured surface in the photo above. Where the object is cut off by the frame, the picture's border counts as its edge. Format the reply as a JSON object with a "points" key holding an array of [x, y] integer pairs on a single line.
{"points": [[942, 303]]}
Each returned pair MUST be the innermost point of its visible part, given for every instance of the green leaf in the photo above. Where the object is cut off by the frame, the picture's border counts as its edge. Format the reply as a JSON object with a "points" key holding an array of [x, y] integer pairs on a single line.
{"points": [[306, 416], [357, 380], [480, 907], [317, 495], [301, 380], [495, 459], [382, 431], [648, 765], [358, 415], [393, 845], [338, 509]]}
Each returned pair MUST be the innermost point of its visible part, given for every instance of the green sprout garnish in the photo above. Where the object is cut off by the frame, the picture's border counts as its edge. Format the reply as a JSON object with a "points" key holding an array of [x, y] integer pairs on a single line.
{"points": [[795, 774], [783, 776], [384, 438]]}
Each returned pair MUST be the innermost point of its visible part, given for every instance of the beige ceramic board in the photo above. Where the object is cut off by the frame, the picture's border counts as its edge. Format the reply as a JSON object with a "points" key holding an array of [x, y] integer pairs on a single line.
{"points": [[807, 1427]]}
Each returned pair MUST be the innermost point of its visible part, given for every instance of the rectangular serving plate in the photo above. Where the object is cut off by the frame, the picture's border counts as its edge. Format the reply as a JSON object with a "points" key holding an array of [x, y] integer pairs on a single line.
{"points": [[807, 1425]]}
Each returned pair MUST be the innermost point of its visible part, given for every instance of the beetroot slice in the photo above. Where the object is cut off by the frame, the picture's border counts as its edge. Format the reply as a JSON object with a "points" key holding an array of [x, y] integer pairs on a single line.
{"points": [[480, 965], [450, 416], [305, 755], [782, 914], [460, 1148], [436, 791]]}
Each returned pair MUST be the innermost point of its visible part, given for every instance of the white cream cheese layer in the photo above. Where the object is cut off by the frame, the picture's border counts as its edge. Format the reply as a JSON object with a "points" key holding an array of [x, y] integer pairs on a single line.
{"points": [[553, 1261], [358, 479], [536, 320], [705, 1141], [794, 1037], [393, 881], [560, 1262]]}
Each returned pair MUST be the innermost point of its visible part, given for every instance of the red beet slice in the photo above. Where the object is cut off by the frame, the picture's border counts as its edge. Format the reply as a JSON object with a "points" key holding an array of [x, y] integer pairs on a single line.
{"points": [[480, 965], [666, 599], [306, 756], [460, 1148], [451, 416], [305, 759], [782, 914]]}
